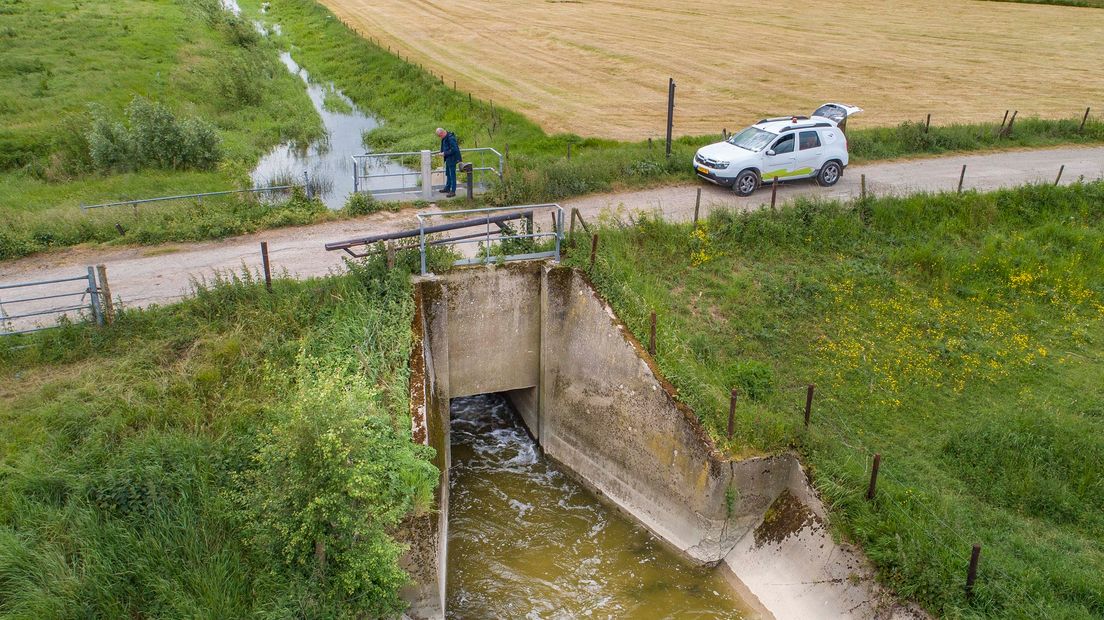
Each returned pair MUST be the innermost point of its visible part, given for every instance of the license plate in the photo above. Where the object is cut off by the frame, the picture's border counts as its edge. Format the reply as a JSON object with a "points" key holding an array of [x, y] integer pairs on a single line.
{"points": [[703, 170]]}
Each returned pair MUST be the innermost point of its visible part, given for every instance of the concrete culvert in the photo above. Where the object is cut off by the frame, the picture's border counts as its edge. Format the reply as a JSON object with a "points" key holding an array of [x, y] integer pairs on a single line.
{"points": [[587, 393]]}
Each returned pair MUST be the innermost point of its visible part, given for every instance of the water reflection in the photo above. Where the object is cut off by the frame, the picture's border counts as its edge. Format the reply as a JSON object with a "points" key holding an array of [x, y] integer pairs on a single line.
{"points": [[327, 161]]}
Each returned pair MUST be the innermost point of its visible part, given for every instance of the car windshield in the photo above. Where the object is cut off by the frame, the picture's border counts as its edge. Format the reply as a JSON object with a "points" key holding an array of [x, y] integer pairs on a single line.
{"points": [[752, 139]]}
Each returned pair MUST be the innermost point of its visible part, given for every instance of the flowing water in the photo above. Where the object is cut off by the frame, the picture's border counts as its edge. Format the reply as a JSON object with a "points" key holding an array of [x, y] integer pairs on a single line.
{"points": [[527, 541]]}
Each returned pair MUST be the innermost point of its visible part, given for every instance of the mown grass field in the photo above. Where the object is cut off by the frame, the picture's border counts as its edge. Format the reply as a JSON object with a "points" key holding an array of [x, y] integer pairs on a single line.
{"points": [[599, 68], [241, 454], [957, 336]]}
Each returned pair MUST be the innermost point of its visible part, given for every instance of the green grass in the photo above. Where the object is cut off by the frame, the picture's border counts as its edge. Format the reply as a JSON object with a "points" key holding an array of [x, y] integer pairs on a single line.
{"points": [[191, 460], [956, 335], [58, 57]]}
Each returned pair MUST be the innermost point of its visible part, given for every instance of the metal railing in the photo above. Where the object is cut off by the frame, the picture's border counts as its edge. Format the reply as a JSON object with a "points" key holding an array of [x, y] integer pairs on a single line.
{"points": [[374, 166], [497, 234], [44, 304], [200, 196]]}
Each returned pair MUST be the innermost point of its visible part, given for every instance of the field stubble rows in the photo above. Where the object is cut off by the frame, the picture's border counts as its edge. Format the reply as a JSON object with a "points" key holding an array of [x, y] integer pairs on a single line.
{"points": [[600, 67]]}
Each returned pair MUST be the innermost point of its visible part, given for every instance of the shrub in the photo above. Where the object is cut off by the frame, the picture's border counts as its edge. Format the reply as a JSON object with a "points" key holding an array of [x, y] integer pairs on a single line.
{"points": [[360, 203], [331, 480], [241, 81], [152, 138]]}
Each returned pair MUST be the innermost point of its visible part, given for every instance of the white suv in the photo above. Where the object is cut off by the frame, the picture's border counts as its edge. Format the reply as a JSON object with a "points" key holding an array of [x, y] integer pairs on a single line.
{"points": [[780, 149]]}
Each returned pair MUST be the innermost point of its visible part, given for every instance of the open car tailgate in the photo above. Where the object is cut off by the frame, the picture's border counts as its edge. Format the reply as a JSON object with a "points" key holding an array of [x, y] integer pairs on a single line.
{"points": [[837, 112]]}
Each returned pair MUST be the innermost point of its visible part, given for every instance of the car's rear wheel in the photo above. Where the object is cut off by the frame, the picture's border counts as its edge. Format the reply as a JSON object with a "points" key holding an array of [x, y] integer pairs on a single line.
{"points": [[830, 174], [746, 183]]}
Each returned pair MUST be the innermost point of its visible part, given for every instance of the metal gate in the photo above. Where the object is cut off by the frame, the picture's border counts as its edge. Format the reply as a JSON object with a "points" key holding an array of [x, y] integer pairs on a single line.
{"points": [[394, 174], [24, 305]]}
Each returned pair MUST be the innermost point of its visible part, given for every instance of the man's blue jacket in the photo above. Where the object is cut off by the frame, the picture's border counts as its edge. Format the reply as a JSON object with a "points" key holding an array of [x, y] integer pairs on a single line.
{"points": [[450, 148]]}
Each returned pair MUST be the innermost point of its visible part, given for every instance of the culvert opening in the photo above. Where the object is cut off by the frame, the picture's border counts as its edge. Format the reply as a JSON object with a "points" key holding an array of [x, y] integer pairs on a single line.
{"points": [[527, 540]]}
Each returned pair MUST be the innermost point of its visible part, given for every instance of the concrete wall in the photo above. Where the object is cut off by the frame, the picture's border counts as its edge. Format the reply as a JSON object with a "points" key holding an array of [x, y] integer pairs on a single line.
{"points": [[601, 408], [494, 329], [427, 534]]}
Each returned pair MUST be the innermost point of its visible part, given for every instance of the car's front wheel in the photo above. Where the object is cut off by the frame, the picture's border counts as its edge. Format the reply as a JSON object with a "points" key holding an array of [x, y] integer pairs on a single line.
{"points": [[830, 174], [746, 183]]}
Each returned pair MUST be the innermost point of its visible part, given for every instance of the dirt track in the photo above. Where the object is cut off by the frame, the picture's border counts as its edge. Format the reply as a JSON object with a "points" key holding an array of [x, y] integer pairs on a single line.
{"points": [[141, 276]]}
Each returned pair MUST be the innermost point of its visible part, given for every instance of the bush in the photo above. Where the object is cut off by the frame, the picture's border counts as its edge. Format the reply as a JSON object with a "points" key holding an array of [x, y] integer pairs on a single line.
{"points": [[360, 203], [152, 138], [331, 480], [241, 81]]}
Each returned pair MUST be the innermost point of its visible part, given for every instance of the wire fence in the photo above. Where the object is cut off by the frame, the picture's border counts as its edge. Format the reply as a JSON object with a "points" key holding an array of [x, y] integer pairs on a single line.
{"points": [[836, 429]]}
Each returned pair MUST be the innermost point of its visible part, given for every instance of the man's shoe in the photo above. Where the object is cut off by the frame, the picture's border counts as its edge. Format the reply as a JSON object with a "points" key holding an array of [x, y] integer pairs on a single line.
{"points": [[450, 195]]}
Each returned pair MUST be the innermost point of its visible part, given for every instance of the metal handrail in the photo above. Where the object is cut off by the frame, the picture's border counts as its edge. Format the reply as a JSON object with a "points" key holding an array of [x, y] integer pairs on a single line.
{"points": [[557, 233], [184, 196], [361, 165]]}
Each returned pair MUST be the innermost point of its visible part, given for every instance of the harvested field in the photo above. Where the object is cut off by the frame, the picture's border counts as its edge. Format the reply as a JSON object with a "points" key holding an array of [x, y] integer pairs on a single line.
{"points": [[600, 67]]}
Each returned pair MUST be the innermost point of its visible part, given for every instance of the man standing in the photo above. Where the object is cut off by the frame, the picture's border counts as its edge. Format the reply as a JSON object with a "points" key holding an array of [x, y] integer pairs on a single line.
{"points": [[450, 149]]}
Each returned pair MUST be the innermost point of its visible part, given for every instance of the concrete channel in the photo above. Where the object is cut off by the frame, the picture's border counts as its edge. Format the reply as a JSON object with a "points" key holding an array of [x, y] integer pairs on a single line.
{"points": [[593, 399]]}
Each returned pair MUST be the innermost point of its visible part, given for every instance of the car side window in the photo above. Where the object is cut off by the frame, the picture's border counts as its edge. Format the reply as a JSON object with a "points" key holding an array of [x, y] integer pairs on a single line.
{"points": [[784, 145], [809, 140]]}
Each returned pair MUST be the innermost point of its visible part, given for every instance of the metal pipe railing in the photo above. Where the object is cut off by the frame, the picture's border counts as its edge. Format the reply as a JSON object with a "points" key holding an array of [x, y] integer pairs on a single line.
{"points": [[186, 196], [487, 237], [361, 174]]}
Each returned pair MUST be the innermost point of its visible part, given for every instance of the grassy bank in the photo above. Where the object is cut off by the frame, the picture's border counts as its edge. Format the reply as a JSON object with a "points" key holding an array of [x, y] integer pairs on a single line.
{"points": [[239, 454], [956, 335], [62, 62]]}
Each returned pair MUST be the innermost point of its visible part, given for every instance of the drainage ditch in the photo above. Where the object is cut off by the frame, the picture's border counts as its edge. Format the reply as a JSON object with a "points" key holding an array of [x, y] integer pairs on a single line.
{"points": [[665, 518], [526, 540]]}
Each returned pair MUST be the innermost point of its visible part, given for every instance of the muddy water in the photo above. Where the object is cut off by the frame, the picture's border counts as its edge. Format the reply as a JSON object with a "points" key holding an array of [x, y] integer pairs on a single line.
{"points": [[328, 162], [526, 541]]}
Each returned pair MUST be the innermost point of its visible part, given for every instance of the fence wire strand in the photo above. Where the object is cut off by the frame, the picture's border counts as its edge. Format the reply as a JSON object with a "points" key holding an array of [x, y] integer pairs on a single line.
{"points": [[839, 431]]}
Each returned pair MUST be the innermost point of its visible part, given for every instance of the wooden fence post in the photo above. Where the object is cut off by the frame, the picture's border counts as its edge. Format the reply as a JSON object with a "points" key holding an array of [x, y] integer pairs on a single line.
{"points": [[809, 403], [927, 124], [971, 573], [697, 205], [1083, 119], [105, 294], [652, 335], [774, 192], [961, 178], [862, 191], [1004, 120], [593, 249], [1060, 170], [267, 268], [732, 412], [874, 477]]}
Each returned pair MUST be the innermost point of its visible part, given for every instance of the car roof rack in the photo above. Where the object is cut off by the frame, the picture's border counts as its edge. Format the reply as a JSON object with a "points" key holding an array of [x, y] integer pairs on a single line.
{"points": [[796, 127], [782, 118]]}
